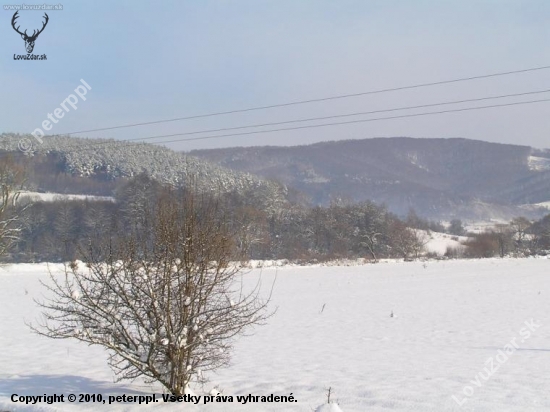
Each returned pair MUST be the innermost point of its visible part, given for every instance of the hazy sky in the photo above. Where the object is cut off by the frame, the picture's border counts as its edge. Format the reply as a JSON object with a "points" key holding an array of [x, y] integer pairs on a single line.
{"points": [[149, 61]]}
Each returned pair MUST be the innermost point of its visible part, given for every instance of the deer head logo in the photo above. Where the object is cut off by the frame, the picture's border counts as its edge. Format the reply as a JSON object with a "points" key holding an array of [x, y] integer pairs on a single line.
{"points": [[29, 40]]}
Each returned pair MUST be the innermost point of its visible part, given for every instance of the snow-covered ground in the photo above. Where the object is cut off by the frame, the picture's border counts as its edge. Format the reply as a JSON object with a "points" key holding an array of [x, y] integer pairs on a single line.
{"points": [[483, 225], [333, 329], [439, 242], [544, 204], [539, 164], [50, 197]]}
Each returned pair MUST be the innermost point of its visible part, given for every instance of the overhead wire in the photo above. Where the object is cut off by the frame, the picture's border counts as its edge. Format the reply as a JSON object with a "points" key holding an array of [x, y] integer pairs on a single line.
{"points": [[321, 99], [302, 120], [88, 146], [351, 121]]}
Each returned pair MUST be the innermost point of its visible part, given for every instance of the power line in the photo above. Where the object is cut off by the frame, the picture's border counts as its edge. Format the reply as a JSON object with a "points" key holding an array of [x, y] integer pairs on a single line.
{"points": [[93, 145], [322, 99], [348, 122], [423, 106], [337, 116]]}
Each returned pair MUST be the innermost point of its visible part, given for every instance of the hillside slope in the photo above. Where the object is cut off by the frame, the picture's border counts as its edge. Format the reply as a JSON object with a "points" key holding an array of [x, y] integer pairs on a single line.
{"points": [[107, 160], [437, 177]]}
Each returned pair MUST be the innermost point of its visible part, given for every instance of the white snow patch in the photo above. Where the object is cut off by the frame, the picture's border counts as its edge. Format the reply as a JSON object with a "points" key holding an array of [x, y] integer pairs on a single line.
{"points": [[439, 242], [328, 407], [544, 204], [539, 164], [52, 197], [483, 225], [413, 159]]}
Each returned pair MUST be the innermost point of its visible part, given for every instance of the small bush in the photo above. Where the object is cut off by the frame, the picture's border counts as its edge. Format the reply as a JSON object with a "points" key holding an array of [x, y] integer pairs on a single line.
{"points": [[482, 245], [453, 252]]}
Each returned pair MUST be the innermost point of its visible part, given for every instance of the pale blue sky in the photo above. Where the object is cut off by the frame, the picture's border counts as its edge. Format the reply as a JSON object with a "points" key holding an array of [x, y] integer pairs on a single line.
{"points": [[154, 60]]}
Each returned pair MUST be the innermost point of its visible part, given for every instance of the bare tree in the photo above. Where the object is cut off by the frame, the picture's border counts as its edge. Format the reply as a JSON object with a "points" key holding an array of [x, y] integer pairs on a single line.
{"points": [[406, 242], [11, 182], [165, 300], [64, 227], [371, 227], [540, 236], [519, 227], [504, 236]]}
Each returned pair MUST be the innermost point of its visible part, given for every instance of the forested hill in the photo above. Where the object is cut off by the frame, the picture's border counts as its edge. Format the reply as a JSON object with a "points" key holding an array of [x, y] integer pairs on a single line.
{"points": [[437, 177], [89, 166]]}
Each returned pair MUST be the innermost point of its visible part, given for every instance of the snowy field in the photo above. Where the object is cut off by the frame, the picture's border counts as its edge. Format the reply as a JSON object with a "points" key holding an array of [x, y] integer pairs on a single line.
{"points": [[450, 318], [51, 197], [439, 242]]}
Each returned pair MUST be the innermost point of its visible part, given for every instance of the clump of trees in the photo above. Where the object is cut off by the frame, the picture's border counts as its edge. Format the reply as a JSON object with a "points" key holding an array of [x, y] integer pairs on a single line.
{"points": [[519, 238], [456, 228], [163, 296], [60, 230]]}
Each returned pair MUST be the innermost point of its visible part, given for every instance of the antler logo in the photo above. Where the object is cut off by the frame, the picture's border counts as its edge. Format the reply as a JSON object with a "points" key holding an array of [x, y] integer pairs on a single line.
{"points": [[29, 40]]}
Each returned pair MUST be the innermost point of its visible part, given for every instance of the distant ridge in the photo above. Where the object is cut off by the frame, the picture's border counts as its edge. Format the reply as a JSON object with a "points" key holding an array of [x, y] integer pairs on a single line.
{"points": [[439, 178]]}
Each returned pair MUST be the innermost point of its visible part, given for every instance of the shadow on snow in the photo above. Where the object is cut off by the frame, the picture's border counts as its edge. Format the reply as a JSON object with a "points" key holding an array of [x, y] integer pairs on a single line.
{"points": [[60, 384]]}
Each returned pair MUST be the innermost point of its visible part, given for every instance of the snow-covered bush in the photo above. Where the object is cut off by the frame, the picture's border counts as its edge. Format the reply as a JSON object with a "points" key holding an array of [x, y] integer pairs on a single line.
{"points": [[162, 299]]}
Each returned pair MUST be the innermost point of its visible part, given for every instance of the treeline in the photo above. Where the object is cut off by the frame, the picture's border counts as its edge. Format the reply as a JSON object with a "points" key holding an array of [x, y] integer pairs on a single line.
{"points": [[518, 238], [60, 230], [49, 173]]}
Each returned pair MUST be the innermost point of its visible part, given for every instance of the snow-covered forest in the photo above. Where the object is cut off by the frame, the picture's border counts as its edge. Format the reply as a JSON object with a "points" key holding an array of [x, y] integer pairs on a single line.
{"points": [[109, 159]]}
